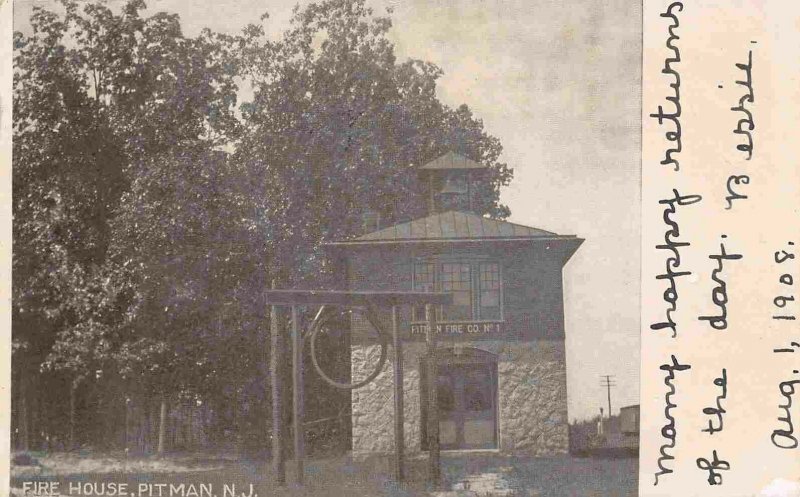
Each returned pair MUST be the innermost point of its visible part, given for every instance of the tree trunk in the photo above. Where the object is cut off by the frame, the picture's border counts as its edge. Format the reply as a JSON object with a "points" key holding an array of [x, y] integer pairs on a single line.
{"points": [[235, 423], [126, 442], [35, 434], [24, 441], [72, 393], [162, 426]]}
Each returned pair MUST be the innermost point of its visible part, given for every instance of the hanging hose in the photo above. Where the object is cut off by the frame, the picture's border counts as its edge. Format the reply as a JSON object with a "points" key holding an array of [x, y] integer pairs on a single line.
{"points": [[383, 338]]}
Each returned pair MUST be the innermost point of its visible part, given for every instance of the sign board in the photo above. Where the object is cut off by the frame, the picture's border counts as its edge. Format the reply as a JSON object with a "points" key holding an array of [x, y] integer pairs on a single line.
{"points": [[459, 329]]}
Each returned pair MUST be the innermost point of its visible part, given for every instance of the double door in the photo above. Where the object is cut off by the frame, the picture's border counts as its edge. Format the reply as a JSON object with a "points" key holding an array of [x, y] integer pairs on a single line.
{"points": [[467, 396]]}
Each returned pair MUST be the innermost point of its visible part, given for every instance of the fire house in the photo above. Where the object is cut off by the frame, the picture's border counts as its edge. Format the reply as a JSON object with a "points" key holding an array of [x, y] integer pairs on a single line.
{"points": [[501, 367]]}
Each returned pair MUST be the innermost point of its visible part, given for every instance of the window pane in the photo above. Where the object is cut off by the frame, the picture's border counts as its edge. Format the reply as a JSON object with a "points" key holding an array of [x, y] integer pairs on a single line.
{"points": [[457, 281], [489, 291], [423, 277], [423, 282], [490, 299]]}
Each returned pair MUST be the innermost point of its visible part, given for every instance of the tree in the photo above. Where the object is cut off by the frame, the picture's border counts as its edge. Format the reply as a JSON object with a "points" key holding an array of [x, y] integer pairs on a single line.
{"points": [[141, 250], [94, 91], [178, 228], [337, 126]]}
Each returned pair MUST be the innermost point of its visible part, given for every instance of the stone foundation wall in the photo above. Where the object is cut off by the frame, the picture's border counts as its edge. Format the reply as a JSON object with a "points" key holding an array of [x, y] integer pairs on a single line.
{"points": [[373, 405], [532, 379], [532, 398]]}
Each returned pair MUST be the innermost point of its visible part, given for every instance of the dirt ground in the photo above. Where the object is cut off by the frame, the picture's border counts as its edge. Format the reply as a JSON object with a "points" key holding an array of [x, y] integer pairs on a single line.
{"points": [[191, 475]]}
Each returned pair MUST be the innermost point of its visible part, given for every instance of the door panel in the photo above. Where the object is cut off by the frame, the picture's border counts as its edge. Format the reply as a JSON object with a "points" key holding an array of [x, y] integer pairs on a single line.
{"points": [[479, 433], [448, 433]]}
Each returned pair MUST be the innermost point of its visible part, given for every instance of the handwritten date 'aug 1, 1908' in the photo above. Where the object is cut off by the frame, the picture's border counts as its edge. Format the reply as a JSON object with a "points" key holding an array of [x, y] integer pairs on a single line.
{"points": [[784, 436]]}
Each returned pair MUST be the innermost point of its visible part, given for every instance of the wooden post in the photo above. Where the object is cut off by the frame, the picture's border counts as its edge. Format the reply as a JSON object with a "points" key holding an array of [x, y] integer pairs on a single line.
{"points": [[297, 394], [433, 405], [276, 371], [399, 440]]}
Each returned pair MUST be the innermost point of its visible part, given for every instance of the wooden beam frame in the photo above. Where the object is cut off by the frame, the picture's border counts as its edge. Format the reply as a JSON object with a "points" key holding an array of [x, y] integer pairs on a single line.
{"points": [[295, 298], [277, 380], [434, 471], [297, 398], [399, 436]]}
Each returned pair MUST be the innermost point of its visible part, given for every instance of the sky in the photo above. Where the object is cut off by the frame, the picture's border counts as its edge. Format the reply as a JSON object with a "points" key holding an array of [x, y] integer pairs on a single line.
{"points": [[559, 84]]}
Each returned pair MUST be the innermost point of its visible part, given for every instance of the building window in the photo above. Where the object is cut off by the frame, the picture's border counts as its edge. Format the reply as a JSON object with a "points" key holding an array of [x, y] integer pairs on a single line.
{"points": [[475, 286], [424, 281], [456, 280], [489, 296]]}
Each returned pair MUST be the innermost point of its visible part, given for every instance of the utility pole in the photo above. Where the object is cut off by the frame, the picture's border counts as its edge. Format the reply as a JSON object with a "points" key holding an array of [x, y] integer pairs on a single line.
{"points": [[607, 380]]}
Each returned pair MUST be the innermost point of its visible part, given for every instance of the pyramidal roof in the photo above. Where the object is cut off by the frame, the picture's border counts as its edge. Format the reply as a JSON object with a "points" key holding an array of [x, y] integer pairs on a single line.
{"points": [[453, 225], [452, 160]]}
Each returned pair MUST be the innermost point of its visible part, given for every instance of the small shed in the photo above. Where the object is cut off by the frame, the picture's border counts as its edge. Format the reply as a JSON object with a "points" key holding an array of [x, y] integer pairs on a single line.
{"points": [[629, 420]]}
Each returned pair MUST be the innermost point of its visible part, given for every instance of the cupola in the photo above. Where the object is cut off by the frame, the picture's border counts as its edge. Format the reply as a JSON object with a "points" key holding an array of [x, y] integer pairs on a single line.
{"points": [[451, 183]]}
